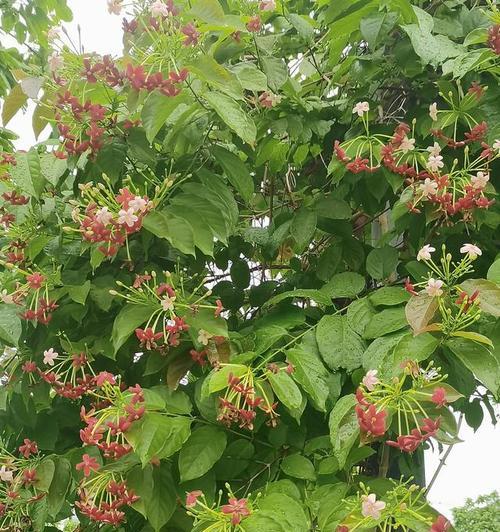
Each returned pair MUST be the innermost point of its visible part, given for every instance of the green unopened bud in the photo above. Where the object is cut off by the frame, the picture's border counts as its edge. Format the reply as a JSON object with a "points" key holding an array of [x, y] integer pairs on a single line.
{"points": [[113, 292]]}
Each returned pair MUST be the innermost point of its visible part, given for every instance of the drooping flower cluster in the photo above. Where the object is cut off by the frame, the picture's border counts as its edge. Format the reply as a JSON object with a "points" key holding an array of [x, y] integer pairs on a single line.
{"points": [[411, 402], [458, 309], [400, 508], [244, 395], [455, 189], [108, 219], [170, 306], [218, 516]]}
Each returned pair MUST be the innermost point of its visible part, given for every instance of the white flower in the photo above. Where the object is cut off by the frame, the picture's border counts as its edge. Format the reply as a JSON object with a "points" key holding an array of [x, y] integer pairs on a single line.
{"points": [[361, 108], [127, 217], [370, 507], [158, 8], [103, 216], [5, 474], [433, 111], [167, 303], [428, 187], [115, 7], [370, 380], [6, 297], [49, 356], [407, 145], [138, 203], [434, 150], [496, 145], [433, 287], [435, 162], [480, 180], [55, 62], [204, 337], [267, 5], [425, 252], [54, 33], [471, 250]]}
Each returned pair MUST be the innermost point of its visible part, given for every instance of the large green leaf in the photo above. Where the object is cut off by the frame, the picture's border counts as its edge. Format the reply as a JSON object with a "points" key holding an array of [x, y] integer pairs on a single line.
{"points": [[200, 453], [61, 482], [126, 322], [420, 310], [284, 509], [233, 115], [173, 228], [208, 11], [298, 466], [26, 174], [285, 389], [12, 103], [344, 427], [10, 324], [217, 76], [303, 228], [345, 284], [382, 262], [385, 322], [236, 171], [340, 346]]}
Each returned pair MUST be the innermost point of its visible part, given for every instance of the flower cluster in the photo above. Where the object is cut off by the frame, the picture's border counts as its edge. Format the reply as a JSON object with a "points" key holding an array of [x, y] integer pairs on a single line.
{"points": [[112, 415], [103, 494], [399, 509], [244, 394], [460, 189], [218, 516], [458, 309], [412, 418], [108, 219], [494, 38], [170, 306]]}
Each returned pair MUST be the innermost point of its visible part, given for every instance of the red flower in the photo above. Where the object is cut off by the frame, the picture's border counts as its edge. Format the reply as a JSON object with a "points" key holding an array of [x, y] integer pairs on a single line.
{"points": [[408, 443], [88, 464], [494, 38], [29, 447], [370, 421], [35, 280], [430, 426], [192, 498], [192, 36], [219, 308], [410, 288], [29, 367], [237, 508], [29, 477], [148, 337], [439, 397], [254, 24], [441, 524], [103, 377]]}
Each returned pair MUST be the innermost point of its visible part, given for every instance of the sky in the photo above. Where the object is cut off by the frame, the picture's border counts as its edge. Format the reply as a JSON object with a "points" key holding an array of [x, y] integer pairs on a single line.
{"points": [[470, 468]]}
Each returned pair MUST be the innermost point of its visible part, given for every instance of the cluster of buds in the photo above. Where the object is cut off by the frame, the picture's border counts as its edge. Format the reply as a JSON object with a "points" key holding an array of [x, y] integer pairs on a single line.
{"points": [[168, 304], [410, 407], [103, 494], [6, 161], [33, 294], [399, 509], [113, 413], [107, 219], [14, 252], [494, 38], [218, 516], [458, 309], [244, 394], [18, 485], [460, 190]]}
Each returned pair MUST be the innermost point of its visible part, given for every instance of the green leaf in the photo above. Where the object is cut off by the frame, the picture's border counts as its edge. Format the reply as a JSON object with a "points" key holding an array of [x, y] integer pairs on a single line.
{"points": [[389, 296], [236, 172], [329, 262], [79, 293], [303, 26], [311, 375], [205, 319], [12, 103], [359, 313], [278, 512], [494, 272], [285, 389], [298, 466], [156, 488], [218, 379], [479, 359], [157, 109], [333, 208], [385, 322], [233, 115], [61, 482], [126, 322], [250, 77], [310, 293], [339, 345], [489, 295], [209, 11], [375, 27], [202, 450], [218, 77], [303, 228], [345, 284], [52, 167], [420, 310], [157, 435], [276, 71], [344, 428], [45, 474], [10, 325], [474, 336], [381, 262], [26, 174], [174, 229]]}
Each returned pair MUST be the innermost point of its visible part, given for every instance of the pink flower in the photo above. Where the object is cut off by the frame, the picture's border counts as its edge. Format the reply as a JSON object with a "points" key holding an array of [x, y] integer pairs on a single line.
{"points": [[103, 216], [433, 287], [429, 187], [407, 144], [361, 108], [439, 397], [55, 62], [435, 162], [370, 380], [434, 150], [471, 250], [267, 5], [127, 217], [49, 356], [441, 524], [103, 377], [433, 111], [192, 498], [237, 508], [480, 180], [425, 253], [370, 507], [158, 8], [115, 7], [88, 464]]}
